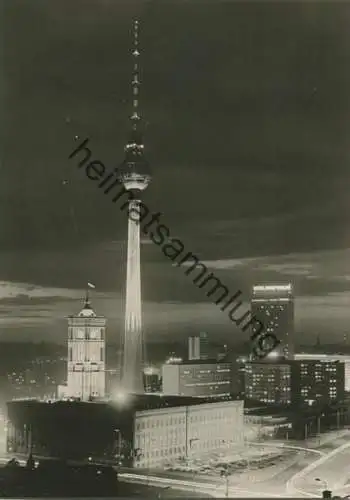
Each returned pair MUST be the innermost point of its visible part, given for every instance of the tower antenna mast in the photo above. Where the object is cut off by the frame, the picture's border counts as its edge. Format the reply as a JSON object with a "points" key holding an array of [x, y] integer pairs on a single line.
{"points": [[135, 117]]}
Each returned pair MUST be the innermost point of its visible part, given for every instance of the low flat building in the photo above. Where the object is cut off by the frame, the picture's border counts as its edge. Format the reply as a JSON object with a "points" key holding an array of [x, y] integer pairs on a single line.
{"points": [[164, 435], [134, 431], [265, 421], [198, 378]]}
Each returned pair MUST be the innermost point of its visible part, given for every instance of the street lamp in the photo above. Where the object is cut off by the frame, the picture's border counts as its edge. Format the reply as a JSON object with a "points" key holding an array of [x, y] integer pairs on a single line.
{"points": [[117, 431], [225, 473], [319, 424], [338, 419], [138, 454], [193, 440]]}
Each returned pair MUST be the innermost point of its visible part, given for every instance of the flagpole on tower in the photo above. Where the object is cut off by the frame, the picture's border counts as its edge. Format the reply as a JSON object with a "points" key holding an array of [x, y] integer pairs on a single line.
{"points": [[87, 295]]}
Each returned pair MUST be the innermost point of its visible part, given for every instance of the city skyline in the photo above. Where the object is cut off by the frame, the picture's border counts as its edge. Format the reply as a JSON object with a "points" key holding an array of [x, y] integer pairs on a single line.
{"points": [[275, 123]]}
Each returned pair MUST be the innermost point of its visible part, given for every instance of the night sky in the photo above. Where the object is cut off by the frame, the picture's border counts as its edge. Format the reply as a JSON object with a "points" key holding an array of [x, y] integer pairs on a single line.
{"points": [[246, 112]]}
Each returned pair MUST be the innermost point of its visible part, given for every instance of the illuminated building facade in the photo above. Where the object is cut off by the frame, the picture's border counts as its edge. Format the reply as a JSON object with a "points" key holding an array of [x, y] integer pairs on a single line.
{"points": [[268, 383], [318, 382], [86, 376], [297, 383], [273, 305], [165, 435], [197, 378], [193, 348], [342, 358], [142, 431], [134, 175]]}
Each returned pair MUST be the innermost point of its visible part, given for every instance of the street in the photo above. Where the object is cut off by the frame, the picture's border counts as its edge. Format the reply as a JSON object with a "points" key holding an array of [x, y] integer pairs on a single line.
{"points": [[329, 472], [276, 484], [295, 478]]}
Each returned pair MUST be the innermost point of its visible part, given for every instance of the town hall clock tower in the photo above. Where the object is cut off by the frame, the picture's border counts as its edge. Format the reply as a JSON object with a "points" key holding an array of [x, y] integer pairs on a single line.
{"points": [[86, 354]]}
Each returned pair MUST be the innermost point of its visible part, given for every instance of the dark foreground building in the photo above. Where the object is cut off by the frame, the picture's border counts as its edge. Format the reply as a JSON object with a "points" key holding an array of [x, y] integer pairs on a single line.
{"points": [[53, 479], [134, 431]]}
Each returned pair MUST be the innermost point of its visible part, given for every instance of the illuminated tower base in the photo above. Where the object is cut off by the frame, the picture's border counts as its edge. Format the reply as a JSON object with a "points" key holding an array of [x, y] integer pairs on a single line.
{"points": [[133, 341]]}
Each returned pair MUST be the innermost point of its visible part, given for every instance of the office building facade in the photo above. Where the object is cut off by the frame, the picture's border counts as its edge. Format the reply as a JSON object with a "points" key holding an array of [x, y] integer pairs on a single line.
{"points": [[295, 383], [166, 435], [198, 378], [342, 358], [273, 306], [268, 382], [318, 382]]}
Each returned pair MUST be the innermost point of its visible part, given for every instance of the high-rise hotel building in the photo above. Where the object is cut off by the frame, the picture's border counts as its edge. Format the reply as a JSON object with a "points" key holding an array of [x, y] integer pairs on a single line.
{"points": [[273, 305]]}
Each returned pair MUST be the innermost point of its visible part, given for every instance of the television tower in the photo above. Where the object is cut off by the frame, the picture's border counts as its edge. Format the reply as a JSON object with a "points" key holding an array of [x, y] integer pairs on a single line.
{"points": [[135, 177]]}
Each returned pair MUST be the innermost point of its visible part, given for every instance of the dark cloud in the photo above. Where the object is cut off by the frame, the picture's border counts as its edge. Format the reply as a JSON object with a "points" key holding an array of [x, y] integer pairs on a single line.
{"points": [[246, 108]]}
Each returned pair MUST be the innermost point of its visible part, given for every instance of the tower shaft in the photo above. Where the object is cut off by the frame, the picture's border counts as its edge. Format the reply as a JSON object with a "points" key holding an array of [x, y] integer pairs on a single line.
{"points": [[135, 176], [133, 338]]}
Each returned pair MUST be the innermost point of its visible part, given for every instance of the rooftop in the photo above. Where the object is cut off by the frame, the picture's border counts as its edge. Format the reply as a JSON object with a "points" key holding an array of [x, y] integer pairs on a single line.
{"points": [[275, 361], [121, 402], [179, 361]]}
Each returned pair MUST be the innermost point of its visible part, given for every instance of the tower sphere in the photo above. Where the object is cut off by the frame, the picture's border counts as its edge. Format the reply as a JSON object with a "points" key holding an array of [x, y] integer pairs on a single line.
{"points": [[134, 172]]}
